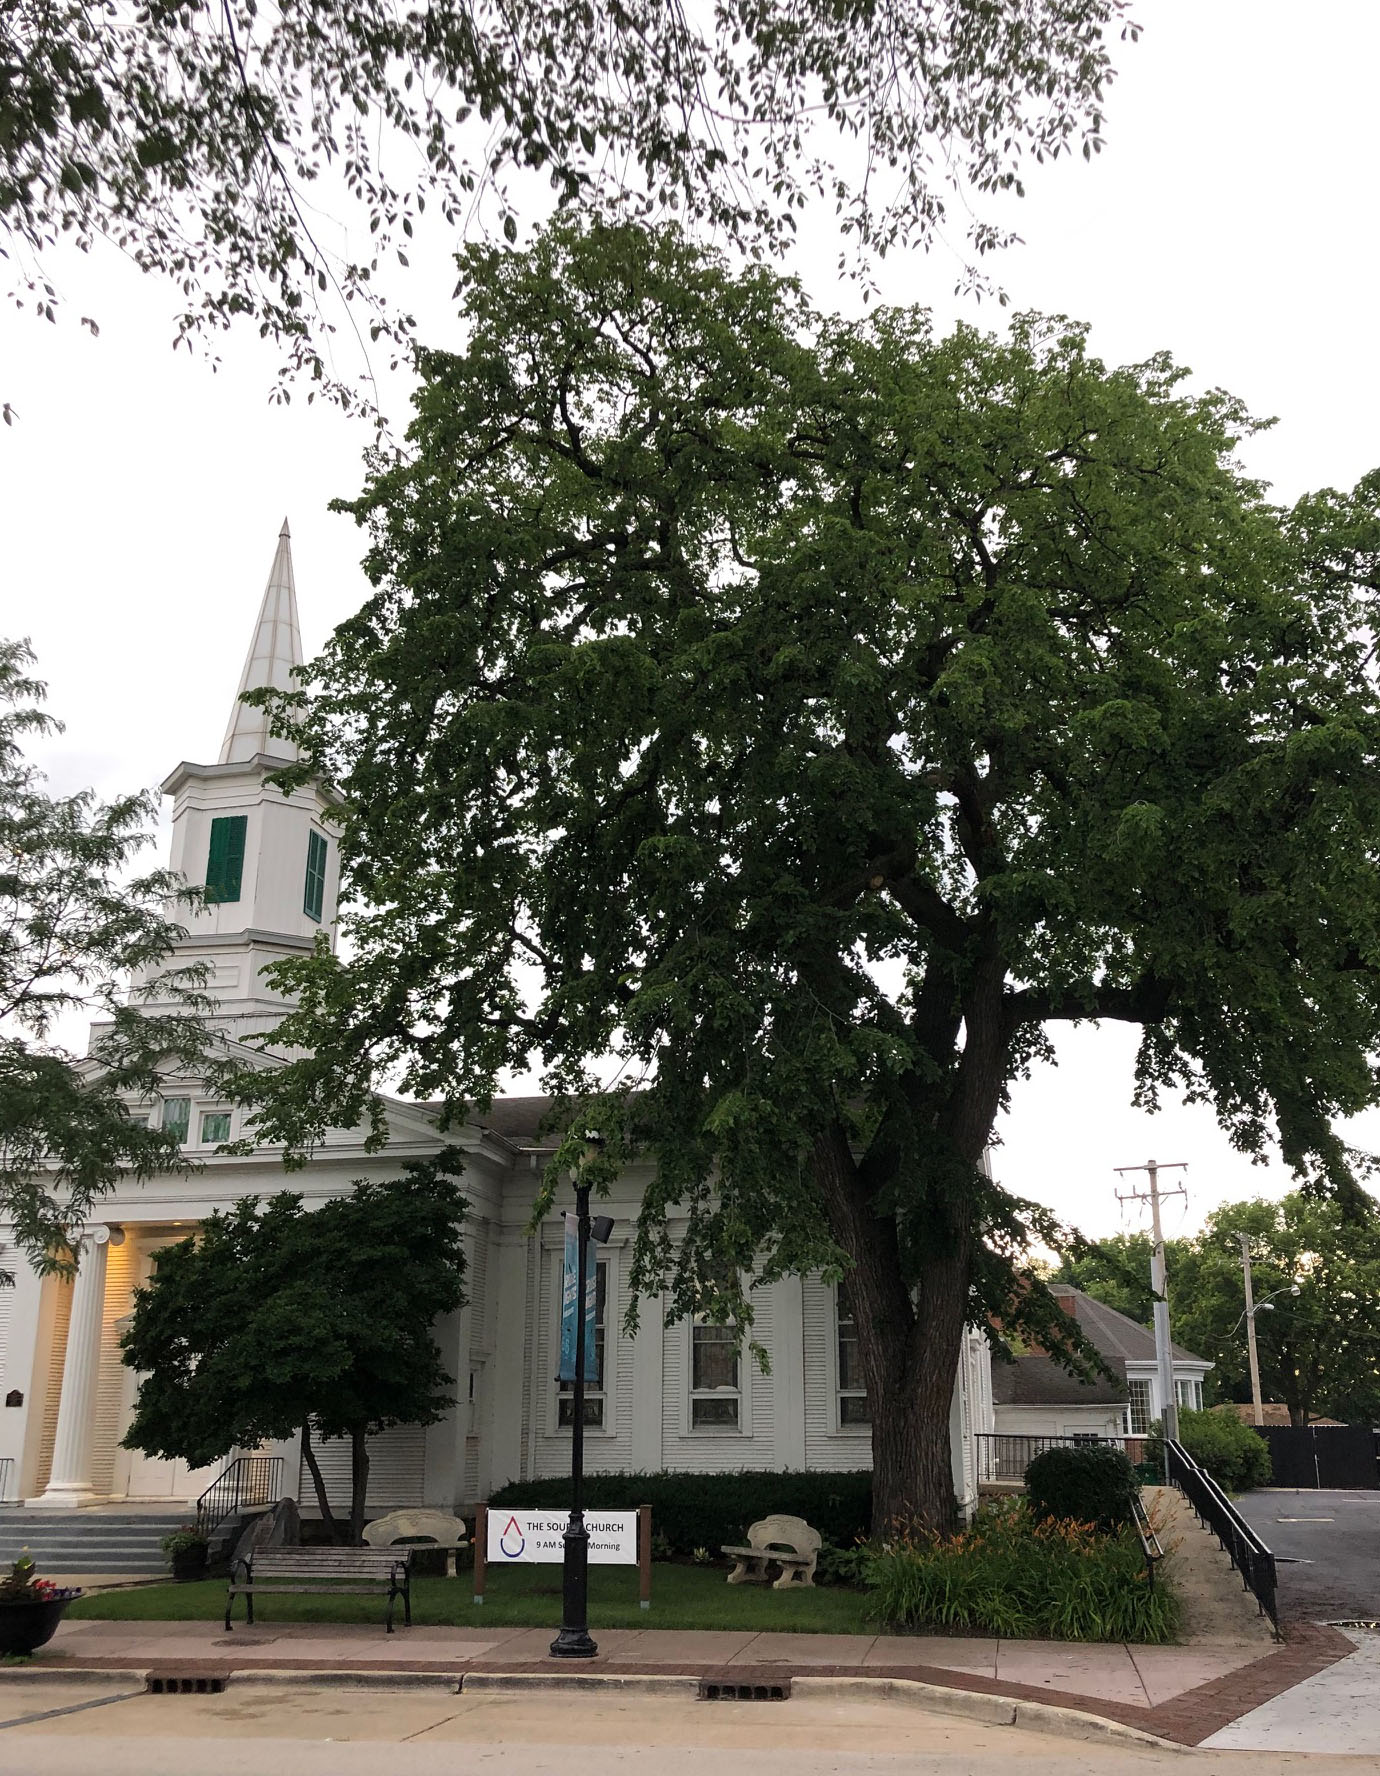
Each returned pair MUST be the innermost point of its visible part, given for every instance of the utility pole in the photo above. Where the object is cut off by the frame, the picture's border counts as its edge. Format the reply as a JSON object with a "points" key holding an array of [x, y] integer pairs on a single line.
{"points": [[1159, 1283], [1257, 1406]]}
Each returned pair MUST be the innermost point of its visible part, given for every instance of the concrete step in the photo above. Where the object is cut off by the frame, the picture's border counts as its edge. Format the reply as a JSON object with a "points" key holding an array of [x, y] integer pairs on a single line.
{"points": [[92, 1541]]}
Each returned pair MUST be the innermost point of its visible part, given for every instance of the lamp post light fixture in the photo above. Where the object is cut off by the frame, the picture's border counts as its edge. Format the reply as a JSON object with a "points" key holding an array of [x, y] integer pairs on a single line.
{"points": [[574, 1641]]}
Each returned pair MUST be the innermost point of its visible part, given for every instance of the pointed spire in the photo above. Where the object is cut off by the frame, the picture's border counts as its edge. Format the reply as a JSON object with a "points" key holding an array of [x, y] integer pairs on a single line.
{"points": [[276, 649]]}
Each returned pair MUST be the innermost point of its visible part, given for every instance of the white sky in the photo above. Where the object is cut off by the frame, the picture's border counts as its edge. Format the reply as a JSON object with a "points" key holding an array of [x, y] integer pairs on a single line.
{"points": [[1230, 220]]}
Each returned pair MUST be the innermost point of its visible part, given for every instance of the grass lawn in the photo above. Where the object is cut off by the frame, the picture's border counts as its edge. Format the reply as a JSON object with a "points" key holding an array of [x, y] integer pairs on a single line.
{"points": [[520, 1597]]}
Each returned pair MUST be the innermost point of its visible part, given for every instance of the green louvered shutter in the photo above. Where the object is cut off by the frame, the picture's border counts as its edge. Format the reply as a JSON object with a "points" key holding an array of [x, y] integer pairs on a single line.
{"points": [[315, 892], [225, 863]]}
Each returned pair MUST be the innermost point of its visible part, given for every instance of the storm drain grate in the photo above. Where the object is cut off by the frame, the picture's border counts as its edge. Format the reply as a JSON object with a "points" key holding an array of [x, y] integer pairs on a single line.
{"points": [[186, 1686], [1357, 1622], [745, 1692]]}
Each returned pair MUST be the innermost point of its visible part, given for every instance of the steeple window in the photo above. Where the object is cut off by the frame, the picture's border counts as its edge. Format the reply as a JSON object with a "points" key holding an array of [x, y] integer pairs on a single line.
{"points": [[315, 892], [225, 862]]}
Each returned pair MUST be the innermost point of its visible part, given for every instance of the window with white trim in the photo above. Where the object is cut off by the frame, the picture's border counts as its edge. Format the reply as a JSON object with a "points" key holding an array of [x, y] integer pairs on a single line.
{"points": [[1188, 1391], [716, 1394], [595, 1395], [1142, 1409], [852, 1390], [177, 1117]]}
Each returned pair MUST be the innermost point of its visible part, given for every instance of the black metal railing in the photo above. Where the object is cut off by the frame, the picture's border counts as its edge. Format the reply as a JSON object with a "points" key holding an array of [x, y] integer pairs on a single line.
{"points": [[1242, 1546], [249, 1482], [1004, 1456]]}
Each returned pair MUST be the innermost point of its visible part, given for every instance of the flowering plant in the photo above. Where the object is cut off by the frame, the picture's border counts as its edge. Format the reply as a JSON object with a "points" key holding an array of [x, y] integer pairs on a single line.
{"points": [[21, 1584]]}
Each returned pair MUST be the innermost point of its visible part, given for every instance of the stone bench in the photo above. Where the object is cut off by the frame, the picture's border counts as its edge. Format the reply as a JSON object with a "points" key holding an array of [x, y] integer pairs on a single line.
{"points": [[418, 1525], [322, 1572], [787, 1542]]}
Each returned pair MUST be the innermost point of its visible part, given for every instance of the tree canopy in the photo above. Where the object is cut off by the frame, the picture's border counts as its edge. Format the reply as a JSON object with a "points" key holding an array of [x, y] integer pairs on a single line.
{"points": [[74, 919], [206, 140], [274, 1317], [805, 714]]}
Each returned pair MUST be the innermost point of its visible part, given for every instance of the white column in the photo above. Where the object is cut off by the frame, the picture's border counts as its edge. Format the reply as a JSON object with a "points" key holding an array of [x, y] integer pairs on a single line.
{"points": [[69, 1483]]}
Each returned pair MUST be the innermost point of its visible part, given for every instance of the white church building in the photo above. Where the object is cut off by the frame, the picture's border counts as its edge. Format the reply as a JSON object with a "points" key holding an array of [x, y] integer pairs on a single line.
{"points": [[675, 1396]]}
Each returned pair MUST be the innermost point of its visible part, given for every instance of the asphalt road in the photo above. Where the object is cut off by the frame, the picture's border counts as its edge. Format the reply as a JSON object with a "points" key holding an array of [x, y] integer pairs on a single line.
{"points": [[1327, 1545], [295, 1730]]}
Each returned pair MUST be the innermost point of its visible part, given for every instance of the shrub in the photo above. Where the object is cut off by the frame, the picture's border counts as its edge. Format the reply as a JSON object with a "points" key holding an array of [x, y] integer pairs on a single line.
{"points": [[1235, 1454], [1012, 1575], [713, 1510], [1086, 1483]]}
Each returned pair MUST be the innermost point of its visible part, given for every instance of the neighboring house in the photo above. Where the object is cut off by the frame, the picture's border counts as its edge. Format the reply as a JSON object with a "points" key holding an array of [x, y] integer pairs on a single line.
{"points": [[1035, 1396], [674, 1396]]}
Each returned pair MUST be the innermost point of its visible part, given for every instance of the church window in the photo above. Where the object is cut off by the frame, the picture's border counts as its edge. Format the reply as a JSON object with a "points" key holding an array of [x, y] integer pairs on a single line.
{"points": [[594, 1389], [315, 893], [853, 1407], [716, 1396], [225, 862], [215, 1126], [177, 1117]]}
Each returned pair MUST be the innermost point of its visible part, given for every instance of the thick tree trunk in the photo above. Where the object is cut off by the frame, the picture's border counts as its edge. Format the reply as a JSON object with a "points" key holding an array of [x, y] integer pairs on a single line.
{"points": [[318, 1484], [909, 1340], [359, 1483]]}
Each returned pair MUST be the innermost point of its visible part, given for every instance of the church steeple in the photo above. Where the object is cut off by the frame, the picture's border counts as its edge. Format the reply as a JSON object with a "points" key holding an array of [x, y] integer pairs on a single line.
{"points": [[274, 651], [266, 857]]}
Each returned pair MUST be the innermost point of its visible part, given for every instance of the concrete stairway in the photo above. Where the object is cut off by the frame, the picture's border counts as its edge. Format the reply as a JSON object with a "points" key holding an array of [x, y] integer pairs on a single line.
{"points": [[100, 1540], [1217, 1609]]}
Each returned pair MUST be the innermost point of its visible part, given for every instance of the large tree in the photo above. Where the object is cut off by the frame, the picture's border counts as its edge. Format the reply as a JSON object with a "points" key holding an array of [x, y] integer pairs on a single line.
{"points": [[205, 138], [1319, 1347], [76, 920], [273, 1318], [809, 714]]}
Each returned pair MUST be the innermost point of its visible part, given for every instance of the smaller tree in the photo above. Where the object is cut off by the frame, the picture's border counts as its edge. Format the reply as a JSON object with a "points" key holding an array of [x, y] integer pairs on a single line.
{"points": [[274, 1317], [75, 920]]}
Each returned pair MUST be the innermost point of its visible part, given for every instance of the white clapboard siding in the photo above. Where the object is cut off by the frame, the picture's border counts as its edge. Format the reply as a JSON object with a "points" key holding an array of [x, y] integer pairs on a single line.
{"points": [[397, 1468], [112, 1378], [826, 1446], [708, 1452], [62, 1315]]}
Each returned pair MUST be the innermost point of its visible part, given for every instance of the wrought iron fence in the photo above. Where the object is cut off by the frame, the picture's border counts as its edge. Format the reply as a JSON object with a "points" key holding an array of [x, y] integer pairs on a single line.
{"points": [[1242, 1546], [248, 1482], [1004, 1456]]}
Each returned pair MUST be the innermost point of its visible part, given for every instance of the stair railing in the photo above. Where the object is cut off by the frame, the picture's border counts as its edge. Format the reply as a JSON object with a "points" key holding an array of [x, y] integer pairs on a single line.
{"points": [[1243, 1547], [246, 1483]]}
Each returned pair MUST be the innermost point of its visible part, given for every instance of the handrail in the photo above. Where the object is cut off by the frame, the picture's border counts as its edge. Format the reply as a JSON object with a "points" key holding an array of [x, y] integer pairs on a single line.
{"points": [[1241, 1544], [1149, 1541], [246, 1483]]}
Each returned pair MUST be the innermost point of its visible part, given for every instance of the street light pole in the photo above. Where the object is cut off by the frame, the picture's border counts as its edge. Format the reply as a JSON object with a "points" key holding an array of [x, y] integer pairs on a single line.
{"points": [[573, 1641], [1257, 1404]]}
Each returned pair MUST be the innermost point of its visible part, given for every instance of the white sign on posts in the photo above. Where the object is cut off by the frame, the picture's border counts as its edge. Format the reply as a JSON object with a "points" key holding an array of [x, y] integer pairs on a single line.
{"points": [[538, 1537]]}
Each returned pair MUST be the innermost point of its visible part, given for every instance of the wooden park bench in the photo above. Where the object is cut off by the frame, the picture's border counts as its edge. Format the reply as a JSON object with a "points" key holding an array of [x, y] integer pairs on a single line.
{"points": [[787, 1542], [419, 1525], [322, 1572]]}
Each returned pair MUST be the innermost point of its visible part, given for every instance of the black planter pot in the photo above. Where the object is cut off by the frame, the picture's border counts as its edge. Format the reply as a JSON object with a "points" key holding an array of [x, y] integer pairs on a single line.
{"points": [[29, 1623], [189, 1564]]}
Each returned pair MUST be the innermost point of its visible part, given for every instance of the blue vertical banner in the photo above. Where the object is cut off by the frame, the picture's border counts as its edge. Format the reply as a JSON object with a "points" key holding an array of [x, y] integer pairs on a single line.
{"points": [[570, 1272]]}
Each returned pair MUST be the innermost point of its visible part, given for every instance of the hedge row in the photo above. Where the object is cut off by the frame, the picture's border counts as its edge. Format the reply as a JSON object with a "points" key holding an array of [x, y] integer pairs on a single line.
{"points": [[711, 1510]]}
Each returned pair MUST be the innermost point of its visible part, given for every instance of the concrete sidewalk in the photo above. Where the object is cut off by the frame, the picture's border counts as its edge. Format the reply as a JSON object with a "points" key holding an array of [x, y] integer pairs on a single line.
{"points": [[1177, 1692]]}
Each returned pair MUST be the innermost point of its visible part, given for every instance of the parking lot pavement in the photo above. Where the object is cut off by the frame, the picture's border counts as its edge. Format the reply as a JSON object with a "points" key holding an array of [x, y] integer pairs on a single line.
{"points": [[1328, 1548]]}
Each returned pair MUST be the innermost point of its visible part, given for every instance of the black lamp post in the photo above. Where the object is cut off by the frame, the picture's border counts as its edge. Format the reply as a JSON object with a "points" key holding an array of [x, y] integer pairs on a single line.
{"points": [[573, 1641]]}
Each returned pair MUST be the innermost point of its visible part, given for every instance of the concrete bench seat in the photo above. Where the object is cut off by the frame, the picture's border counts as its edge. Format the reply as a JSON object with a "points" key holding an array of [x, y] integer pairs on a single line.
{"points": [[787, 1542]]}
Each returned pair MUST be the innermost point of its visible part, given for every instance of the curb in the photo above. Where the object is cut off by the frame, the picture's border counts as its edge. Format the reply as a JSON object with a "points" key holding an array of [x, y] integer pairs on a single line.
{"points": [[72, 1674], [999, 1711], [331, 1679], [633, 1683]]}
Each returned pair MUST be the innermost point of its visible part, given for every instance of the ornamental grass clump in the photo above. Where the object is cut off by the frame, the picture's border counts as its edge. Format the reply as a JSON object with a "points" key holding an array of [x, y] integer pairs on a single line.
{"points": [[1013, 1575]]}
